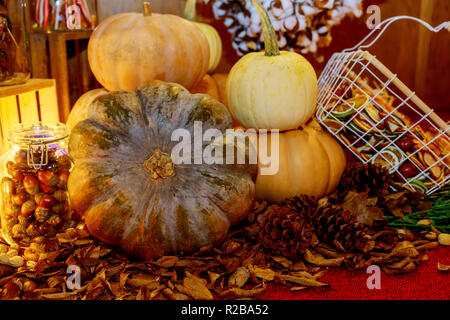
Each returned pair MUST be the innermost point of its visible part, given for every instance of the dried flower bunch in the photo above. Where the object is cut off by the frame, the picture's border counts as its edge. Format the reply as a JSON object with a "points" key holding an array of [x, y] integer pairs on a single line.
{"points": [[301, 25]]}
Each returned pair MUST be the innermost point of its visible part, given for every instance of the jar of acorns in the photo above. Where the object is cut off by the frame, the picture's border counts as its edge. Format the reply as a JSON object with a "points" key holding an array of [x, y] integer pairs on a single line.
{"points": [[34, 174]]}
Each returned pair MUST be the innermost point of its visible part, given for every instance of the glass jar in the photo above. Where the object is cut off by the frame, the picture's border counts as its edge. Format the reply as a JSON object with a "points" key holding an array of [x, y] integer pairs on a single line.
{"points": [[14, 44], [64, 15], [34, 174]]}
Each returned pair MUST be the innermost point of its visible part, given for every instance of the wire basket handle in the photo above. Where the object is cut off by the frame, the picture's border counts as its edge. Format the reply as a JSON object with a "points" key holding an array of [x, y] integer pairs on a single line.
{"points": [[386, 23]]}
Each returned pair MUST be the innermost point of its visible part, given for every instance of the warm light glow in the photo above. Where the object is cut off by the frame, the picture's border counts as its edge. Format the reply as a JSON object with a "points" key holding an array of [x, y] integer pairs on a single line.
{"points": [[28, 103]]}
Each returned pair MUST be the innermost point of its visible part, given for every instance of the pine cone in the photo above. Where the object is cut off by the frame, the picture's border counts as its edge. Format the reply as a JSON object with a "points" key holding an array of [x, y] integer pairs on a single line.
{"points": [[361, 177], [284, 231], [338, 227], [302, 204]]}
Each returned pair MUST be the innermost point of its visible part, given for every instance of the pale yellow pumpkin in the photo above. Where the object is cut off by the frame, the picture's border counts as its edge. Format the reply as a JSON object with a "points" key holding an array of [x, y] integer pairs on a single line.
{"points": [[130, 49], [272, 90], [211, 34], [310, 162], [80, 109]]}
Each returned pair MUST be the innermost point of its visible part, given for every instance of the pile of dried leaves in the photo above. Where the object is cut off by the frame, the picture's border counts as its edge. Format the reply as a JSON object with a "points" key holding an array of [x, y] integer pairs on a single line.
{"points": [[240, 268]]}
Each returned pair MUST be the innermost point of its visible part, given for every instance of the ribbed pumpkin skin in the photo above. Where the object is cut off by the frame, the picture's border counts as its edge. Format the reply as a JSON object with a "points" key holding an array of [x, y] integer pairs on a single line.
{"points": [[215, 45], [311, 162], [130, 49], [272, 92], [123, 205], [80, 109]]}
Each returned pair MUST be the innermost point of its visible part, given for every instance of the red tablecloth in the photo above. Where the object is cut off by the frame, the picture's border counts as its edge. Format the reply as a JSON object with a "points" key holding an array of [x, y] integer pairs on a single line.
{"points": [[426, 283]]}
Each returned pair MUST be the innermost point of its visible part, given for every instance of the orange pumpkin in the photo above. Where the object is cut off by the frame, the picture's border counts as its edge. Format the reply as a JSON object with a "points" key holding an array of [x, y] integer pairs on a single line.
{"points": [[80, 110], [310, 162], [130, 49], [207, 86], [221, 82]]}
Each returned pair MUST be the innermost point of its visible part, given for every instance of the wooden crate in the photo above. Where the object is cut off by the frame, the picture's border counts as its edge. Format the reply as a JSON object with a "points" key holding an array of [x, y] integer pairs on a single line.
{"points": [[32, 101]]}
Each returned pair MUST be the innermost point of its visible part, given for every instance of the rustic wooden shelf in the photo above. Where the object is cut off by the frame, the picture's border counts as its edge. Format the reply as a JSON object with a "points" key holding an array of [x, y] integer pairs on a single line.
{"points": [[59, 70], [30, 85], [67, 35]]}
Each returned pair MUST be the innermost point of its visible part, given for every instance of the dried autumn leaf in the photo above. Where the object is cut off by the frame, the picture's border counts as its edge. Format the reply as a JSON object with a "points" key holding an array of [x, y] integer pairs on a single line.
{"points": [[302, 281], [264, 273], [444, 239], [327, 251], [213, 276], [428, 245], [302, 274], [410, 267], [283, 261], [5, 271], [239, 278], [405, 249], [59, 296], [169, 293], [243, 293], [442, 267], [143, 280], [196, 287], [297, 288], [359, 205], [320, 261], [167, 261]]}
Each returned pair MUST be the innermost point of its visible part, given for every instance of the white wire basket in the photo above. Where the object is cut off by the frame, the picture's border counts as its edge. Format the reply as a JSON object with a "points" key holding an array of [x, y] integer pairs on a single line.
{"points": [[380, 120]]}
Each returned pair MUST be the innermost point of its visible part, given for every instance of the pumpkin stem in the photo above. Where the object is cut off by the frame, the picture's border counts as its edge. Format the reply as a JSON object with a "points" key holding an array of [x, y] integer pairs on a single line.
{"points": [[160, 165], [270, 38], [190, 11], [146, 9]]}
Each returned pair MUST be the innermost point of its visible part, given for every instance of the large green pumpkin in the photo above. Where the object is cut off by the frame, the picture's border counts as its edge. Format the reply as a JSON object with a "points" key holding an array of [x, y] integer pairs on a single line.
{"points": [[126, 186]]}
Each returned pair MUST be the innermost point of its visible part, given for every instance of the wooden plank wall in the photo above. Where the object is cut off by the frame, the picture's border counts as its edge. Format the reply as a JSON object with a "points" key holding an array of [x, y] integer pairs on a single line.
{"points": [[420, 58]]}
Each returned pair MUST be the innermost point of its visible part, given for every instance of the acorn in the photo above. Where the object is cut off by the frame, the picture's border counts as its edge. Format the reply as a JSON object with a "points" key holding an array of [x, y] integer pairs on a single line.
{"points": [[21, 156], [18, 231], [10, 291], [16, 174], [46, 229], [58, 208], [47, 201], [63, 177], [33, 229], [48, 178], [39, 239], [24, 221], [28, 207], [20, 198], [42, 214], [56, 221], [38, 197], [12, 209], [28, 285], [64, 162], [9, 186], [20, 187], [46, 188], [60, 195], [31, 184], [10, 166]]}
